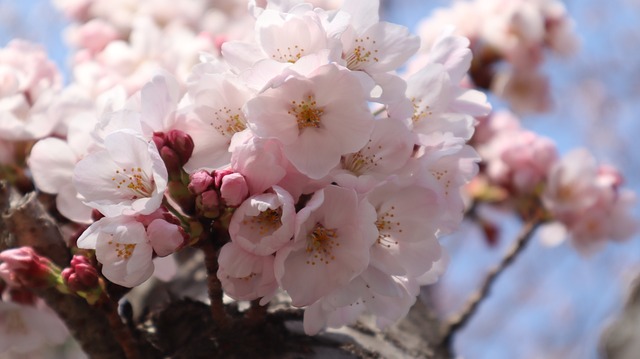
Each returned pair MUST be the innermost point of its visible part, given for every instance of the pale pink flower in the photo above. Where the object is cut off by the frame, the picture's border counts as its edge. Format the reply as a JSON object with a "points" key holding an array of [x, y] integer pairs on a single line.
{"points": [[439, 101], [389, 148], [26, 70], [334, 233], [246, 276], [26, 328], [317, 119], [516, 158], [128, 177], [408, 219], [444, 165], [125, 245], [216, 105], [122, 246], [260, 161], [388, 298], [264, 223], [93, 35], [588, 202], [283, 36], [52, 162], [571, 186], [375, 46]]}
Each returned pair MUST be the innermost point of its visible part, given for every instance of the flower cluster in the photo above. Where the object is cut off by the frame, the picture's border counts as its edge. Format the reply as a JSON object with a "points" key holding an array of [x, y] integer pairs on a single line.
{"points": [[299, 155], [582, 200], [516, 33], [339, 207]]}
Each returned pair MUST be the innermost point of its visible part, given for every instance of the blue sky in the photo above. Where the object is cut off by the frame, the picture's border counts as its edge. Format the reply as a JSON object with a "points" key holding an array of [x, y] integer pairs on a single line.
{"points": [[552, 302]]}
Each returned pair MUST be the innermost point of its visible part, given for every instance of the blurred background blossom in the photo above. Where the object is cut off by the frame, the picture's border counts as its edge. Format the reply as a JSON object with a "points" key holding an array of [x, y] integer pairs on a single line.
{"points": [[552, 302]]}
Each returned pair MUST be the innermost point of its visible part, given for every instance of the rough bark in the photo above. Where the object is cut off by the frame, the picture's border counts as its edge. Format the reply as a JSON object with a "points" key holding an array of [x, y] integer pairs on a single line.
{"points": [[26, 223]]}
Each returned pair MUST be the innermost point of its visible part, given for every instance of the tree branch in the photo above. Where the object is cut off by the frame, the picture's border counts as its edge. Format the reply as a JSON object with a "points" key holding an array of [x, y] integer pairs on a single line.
{"points": [[459, 320], [218, 311], [26, 223]]}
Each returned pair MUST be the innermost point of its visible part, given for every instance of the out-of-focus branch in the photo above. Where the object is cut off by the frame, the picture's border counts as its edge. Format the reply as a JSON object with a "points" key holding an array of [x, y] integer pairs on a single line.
{"points": [[24, 222], [458, 321]]}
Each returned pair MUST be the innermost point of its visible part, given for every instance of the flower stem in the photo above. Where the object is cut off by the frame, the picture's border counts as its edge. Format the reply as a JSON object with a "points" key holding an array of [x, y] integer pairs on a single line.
{"points": [[458, 321], [218, 311], [175, 212], [256, 313]]}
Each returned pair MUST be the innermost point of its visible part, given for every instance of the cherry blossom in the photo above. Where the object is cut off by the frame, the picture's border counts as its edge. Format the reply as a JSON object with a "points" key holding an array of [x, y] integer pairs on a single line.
{"points": [[24, 329], [326, 110], [125, 246], [264, 223], [127, 177], [330, 246], [246, 276]]}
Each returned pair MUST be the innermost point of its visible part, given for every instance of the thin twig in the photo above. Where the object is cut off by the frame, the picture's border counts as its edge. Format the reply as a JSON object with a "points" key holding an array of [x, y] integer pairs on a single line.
{"points": [[459, 320], [218, 311]]}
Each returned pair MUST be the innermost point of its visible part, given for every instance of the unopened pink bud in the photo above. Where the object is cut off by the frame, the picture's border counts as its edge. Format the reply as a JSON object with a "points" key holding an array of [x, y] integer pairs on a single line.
{"points": [[172, 162], [219, 175], [81, 275], [181, 143], [159, 139], [210, 200], [23, 267], [234, 189], [200, 181]]}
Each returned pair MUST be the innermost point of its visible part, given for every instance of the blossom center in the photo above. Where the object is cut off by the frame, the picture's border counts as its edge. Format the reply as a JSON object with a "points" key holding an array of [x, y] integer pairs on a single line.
{"points": [[361, 53], [307, 112], [290, 54], [266, 222], [419, 113], [134, 180], [321, 242], [123, 251], [442, 176], [362, 161], [228, 122], [385, 223]]}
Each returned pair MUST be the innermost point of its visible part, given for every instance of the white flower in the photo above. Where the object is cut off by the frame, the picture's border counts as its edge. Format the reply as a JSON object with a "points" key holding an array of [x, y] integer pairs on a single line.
{"points": [[264, 223], [25, 328], [125, 247], [128, 177]]}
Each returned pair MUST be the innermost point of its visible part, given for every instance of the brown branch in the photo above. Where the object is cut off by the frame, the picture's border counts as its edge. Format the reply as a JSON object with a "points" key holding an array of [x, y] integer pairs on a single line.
{"points": [[256, 314], [218, 311], [459, 320], [24, 222]]}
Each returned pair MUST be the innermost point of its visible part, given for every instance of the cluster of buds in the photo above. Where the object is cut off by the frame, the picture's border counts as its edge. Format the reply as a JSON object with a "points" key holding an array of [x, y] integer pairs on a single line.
{"points": [[217, 189]]}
